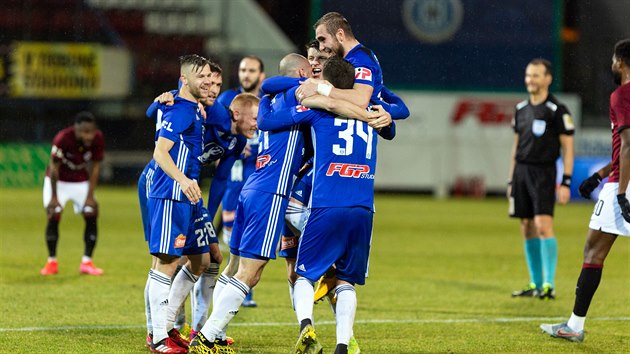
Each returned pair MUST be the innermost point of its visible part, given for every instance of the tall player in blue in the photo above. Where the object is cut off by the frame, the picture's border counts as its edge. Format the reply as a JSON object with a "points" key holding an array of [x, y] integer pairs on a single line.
{"points": [[251, 73], [342, 200], [174, 192]]}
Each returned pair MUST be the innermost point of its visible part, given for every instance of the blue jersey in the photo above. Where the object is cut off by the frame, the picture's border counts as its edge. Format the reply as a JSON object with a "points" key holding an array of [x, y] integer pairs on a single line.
{"points": [[182, 124], [367, 69], [345, 155], [279, 151]]}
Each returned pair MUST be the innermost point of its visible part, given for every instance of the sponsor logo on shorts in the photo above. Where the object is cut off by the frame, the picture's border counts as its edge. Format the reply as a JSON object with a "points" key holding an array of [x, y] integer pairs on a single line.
{"points": [[180, 241], [349, 170], [289, 242]]}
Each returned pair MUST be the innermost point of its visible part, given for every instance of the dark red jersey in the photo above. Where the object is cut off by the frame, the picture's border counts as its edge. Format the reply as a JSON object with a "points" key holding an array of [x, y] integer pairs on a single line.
{"points": [[74, 156], [619, 120]]}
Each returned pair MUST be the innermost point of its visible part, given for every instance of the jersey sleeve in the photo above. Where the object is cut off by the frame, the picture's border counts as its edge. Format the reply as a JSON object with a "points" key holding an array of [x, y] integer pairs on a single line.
{"points": [[388, 133], [174, 122], [276, 84], [218, 115], [269, 120], [622, 110], [58, 147], [393, 104], [363, 72], [564, 120]]}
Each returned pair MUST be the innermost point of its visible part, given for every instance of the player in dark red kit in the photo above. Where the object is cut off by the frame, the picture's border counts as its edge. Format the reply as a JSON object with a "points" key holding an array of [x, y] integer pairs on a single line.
{"points": [[611, 216], [72, 175]]}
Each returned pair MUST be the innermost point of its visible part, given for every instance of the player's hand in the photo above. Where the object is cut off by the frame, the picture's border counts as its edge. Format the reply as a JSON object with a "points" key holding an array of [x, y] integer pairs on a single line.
{"points": [[508, 191], [191, 190], [564, 194], [307, 89], [247, 151], [53, 209], [215, 253], [166, 98], [624, 205], [379, 118], [202, 109], [588, 185], [90, 207]]}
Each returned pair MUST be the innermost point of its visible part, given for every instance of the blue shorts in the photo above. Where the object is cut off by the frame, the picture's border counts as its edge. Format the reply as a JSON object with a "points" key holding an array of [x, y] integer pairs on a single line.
{"points": [[302, 187], [204, 231], [257, 225], [144, 187], [288, 245], [173, 228], [339, 236], [230, 198]]}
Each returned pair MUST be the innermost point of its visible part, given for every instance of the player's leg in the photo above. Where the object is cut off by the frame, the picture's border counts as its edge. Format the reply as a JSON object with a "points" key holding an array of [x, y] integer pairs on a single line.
{"points": [[53, 217], [606, 222], [169, 221], [90, 215], [352, 268], [521, 206], [548, 254]]}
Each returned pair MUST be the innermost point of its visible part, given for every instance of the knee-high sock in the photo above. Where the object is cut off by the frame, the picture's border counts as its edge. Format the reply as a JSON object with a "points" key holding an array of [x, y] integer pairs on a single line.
{"points": [[158, 297], [183, 283], [52, 237], [586, 287], [89, 235], [346, 309], [226, 307], [303, 293], [202, 296], [534, 262], [147, 303], [549, 255]]}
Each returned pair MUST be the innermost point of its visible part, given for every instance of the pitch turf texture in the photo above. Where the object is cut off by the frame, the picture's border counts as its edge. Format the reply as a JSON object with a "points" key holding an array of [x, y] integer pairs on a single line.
{"points": [[441, 274]]}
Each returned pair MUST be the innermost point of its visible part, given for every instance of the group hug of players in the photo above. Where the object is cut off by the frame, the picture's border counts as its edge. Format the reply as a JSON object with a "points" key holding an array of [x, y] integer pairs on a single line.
{"points": [[313, 185]]}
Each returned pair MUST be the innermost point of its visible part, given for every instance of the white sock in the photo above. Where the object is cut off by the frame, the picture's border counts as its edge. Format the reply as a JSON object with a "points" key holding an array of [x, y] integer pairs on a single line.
{"points": [[576, 322], [225, 308], [291, 285], [85, 259], [183, 283], [202, 295], [303, 293], [147, 304], [158, 297], [346, 308]]}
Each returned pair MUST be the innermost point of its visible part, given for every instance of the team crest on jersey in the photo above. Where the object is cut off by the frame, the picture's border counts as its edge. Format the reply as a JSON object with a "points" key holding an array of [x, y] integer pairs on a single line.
{"points": [[232, 143], [87, 156], [212, 152], [363, 74], [538, 127], [180, 241], [301, 108]]}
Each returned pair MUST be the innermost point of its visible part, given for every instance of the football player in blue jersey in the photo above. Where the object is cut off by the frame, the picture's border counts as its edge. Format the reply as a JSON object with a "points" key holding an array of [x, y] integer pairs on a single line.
{"points": [[251, 73], [342, 200], [174, 197]]}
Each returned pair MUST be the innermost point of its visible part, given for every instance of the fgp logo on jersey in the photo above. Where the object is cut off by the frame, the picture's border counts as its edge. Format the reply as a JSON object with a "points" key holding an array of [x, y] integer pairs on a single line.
{"points": [[363, 74], [349, 170], [262, 161]]}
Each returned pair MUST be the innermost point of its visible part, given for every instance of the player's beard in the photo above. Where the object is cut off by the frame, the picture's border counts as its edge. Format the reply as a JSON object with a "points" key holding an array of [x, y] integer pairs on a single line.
{"points": [[251, 87]]}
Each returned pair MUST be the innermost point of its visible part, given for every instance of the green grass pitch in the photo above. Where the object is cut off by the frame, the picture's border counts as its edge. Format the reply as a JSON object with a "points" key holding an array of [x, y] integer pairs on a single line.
{"points": [[441, 273]]}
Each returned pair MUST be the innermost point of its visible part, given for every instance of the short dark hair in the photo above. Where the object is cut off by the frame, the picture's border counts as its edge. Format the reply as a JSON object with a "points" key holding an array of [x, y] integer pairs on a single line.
{"points": [[84, 116], [254, 57], [196, 61], [339, 72], [312, 44], [334, 21], [545, 62], [622, 51], [215, 67]]}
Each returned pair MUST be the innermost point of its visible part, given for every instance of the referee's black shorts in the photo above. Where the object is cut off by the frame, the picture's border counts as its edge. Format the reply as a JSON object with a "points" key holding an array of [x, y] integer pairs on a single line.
{"points": [[533, 190]]}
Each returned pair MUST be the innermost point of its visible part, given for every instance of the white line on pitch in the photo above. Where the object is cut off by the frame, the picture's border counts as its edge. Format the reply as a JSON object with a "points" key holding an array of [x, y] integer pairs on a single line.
{"points": [[279, 324]]}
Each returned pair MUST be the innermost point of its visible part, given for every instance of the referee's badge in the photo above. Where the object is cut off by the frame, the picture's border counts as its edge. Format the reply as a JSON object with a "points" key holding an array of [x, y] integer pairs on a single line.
{"points": [[568, 122], [538, 127]]}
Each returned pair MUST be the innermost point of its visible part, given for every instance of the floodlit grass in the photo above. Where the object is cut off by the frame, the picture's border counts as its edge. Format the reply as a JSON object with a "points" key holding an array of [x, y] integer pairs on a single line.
{"points": [[441, 273]]}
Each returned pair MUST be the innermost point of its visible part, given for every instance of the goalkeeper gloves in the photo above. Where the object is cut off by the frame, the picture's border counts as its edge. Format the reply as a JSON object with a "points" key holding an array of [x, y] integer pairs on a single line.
{"points": [[588, 185], [624, 205]]}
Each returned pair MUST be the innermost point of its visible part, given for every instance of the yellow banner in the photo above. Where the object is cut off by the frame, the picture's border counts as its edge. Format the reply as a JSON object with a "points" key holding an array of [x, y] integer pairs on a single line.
{"points": [[55, 70]]}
